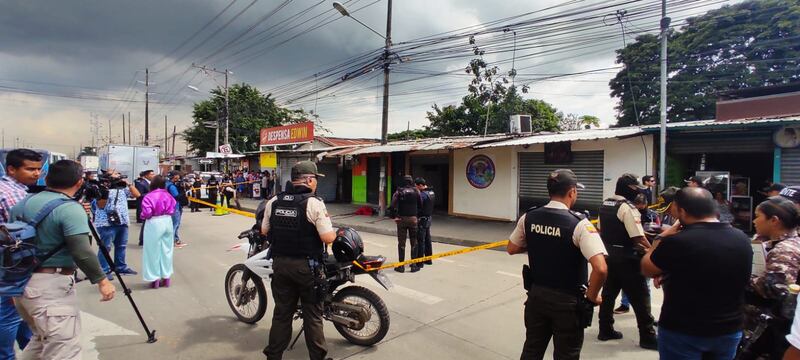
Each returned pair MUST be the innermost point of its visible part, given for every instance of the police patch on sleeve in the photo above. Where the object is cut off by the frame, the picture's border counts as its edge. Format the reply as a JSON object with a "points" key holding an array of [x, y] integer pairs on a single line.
{"points": [[590, 228]]}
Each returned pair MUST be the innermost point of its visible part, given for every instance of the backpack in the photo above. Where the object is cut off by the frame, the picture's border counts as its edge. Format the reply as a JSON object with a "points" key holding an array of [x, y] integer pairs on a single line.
{"points": [[19, 254], [181, 198]]}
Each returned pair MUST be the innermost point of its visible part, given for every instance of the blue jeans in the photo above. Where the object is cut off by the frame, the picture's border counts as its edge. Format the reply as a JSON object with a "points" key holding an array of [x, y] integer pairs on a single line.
{"points": [[677, 346], [176, 221], [117, 235], [11, 328]]}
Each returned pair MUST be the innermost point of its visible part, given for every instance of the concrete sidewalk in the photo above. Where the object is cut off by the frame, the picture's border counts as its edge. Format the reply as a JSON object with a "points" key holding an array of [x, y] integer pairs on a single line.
{"points": [[445, 229]]}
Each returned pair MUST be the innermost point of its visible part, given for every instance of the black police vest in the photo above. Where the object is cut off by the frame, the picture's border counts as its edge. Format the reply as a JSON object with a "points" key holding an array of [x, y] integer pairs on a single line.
{"points": [[289, 229], [408, 201], [554, 259], [612, 230], [427, 204]]}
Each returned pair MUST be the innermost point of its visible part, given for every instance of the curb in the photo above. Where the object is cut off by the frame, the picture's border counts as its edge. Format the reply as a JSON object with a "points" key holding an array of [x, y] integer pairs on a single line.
{"points": [[393, 232]]}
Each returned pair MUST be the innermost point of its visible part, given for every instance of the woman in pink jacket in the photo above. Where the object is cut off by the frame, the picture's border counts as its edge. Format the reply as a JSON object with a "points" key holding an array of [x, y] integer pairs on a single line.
{"points": [[157, 208]]}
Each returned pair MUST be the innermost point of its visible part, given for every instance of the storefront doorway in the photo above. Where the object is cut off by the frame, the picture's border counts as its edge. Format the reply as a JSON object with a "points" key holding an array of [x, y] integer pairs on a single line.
{"points": [[435, 169]]}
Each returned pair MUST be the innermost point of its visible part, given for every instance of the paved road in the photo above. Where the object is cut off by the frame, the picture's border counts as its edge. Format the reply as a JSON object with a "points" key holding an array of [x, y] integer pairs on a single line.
{"points": [[464, 307]]}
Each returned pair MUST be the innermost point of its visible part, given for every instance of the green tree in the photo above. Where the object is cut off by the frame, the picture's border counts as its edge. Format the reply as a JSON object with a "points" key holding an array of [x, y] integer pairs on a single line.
{"points": [[250, 112], [576, 122], [749, 44]]}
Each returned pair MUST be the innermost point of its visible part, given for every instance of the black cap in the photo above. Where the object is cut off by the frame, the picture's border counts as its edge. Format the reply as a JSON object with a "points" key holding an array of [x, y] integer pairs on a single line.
{"points": [[305, 168], [791, 193], [631, 181], [774, 187], [668, 195], [420, 181], [561, 179]]}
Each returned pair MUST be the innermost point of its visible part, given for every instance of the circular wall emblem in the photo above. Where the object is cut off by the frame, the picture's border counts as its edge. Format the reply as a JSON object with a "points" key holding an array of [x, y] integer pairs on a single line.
{"points": [[480, 171]]}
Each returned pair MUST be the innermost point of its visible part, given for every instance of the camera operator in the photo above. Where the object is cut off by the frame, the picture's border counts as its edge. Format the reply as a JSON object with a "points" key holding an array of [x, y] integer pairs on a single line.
{"points": [[23, 168], [704, 266], [111, 219], [49, 299], [776, 222]]}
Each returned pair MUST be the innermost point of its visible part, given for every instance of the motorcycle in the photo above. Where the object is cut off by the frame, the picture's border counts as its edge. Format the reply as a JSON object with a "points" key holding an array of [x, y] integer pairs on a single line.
{"points": [[357, 313]]}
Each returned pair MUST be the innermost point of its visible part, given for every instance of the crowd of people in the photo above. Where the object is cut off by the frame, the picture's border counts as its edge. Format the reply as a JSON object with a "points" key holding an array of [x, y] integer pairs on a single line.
{"points": [[715, 296]]}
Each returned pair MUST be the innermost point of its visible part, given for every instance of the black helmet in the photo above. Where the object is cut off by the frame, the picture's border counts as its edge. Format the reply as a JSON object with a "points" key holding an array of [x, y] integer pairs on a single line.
{"points": [[348, 245]]}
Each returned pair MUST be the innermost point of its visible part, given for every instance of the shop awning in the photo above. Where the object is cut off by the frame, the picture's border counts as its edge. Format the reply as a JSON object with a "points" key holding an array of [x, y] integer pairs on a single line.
{"points": [[442, 143], [578, 135]]}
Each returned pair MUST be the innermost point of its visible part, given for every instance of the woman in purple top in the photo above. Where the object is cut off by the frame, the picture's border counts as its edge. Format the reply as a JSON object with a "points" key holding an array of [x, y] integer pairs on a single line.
{"points": [[157, 208]]}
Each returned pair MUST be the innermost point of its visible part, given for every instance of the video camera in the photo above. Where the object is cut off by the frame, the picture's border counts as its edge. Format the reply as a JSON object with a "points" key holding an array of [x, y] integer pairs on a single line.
{"points": [[97, 188]]}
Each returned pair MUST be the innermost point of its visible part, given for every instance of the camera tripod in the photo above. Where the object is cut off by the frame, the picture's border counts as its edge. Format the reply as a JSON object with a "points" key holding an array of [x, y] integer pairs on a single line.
{"points": [[151, 335]]}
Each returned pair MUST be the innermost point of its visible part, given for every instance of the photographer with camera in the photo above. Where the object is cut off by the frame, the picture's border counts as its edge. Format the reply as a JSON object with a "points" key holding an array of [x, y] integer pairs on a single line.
{"points": [[111, 219], [49, 300]]}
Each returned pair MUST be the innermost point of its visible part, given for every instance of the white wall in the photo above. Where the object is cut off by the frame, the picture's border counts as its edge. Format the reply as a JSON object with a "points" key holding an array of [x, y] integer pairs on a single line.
{"points": [[499, 200]]}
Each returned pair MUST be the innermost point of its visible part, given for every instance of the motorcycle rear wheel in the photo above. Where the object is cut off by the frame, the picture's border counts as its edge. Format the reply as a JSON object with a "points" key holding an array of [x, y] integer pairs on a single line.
{"points": [[376, 328], [255, 304]]}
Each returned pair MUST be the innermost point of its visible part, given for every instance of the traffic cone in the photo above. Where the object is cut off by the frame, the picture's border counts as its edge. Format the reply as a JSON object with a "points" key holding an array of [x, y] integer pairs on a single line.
{"points": [[225, 208], [218, 209]]}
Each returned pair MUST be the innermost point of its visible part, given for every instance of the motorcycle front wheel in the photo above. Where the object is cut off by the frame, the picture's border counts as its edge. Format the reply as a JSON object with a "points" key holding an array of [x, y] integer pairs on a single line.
{"points": [[246, 294], [376, 327]]}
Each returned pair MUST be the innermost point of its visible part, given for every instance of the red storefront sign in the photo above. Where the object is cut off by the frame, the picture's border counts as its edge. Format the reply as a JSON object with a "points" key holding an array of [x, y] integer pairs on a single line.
{"points": [[289, 134]]}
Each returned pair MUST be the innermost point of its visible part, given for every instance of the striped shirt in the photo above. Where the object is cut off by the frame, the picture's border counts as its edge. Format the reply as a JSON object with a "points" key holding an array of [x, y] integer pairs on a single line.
{"points": [[11, 192]]}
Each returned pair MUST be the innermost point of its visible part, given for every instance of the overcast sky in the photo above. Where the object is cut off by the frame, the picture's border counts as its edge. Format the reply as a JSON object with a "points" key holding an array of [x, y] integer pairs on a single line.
{"points": [[64, 63]]}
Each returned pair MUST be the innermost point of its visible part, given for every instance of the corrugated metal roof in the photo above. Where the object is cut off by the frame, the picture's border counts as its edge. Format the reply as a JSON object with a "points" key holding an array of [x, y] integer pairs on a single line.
{"points": [[337, 142], [442, 143], [720, 124], [577, 135]]}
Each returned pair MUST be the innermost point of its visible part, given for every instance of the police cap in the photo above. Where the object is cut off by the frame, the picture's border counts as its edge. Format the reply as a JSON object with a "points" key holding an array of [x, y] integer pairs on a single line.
{"points": [[305, 168], [420, 181], [561, 179], [791, 193]]}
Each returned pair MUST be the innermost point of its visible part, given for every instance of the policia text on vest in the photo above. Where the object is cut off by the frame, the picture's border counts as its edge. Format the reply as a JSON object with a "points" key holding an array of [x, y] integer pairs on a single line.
{"points": [[560, 243], [298, 226]]}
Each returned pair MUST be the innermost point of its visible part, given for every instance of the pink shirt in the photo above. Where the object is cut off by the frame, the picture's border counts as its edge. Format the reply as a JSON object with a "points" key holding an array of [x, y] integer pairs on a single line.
{"points": [[156, 203]]}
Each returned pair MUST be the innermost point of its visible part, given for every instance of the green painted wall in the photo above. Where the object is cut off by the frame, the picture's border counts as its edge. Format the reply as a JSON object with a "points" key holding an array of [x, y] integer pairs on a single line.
{"points": [[359, 189]]}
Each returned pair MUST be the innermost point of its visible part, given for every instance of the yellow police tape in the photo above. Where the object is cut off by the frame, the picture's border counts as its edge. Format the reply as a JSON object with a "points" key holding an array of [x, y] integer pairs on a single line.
{"points": [[434, 256], [224, 184], [240, 212], [386, 266]]}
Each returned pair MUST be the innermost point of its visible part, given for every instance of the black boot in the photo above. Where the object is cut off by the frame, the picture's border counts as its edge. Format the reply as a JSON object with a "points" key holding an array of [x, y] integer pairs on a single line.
{"points": [[401, 257], [609, 334], [648, 341]]}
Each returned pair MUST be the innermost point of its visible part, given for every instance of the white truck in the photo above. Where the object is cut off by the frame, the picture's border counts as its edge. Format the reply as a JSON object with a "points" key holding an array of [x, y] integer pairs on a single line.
{"points": [[129, 160]]}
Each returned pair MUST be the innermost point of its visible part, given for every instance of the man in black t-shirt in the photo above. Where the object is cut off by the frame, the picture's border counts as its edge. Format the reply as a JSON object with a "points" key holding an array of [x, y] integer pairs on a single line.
{"points": [[704, 266]]}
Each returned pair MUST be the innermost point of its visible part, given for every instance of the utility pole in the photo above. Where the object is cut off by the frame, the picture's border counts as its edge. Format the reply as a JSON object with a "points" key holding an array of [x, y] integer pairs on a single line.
{"points": [[174, 130], [662, 154], [146, 106], [4, 138], [123, 129], [130, 134], [207, 69], [109, 131], [165, 136], [385, 116]]}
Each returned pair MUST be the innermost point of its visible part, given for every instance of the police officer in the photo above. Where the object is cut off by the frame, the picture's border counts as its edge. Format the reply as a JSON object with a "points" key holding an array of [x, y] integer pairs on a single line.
{"points": [[406, 202], [559, 242], [298, 226], [424, 244], [623, 235]]}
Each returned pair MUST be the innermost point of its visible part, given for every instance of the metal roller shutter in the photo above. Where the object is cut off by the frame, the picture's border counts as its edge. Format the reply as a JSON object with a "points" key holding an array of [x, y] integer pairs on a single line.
{"points": [[327, 185], [790, 166], [533, 173]]}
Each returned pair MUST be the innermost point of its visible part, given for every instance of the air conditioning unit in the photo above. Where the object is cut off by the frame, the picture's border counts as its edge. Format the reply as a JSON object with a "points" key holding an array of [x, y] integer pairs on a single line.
{"points": [[520, 124]]}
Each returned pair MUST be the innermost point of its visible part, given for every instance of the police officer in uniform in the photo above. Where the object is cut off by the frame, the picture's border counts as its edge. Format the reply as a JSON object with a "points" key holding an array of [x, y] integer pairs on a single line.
{"points": [[298, 226], [407, 201], [424, 243], [559, 243], [622, 233]]}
